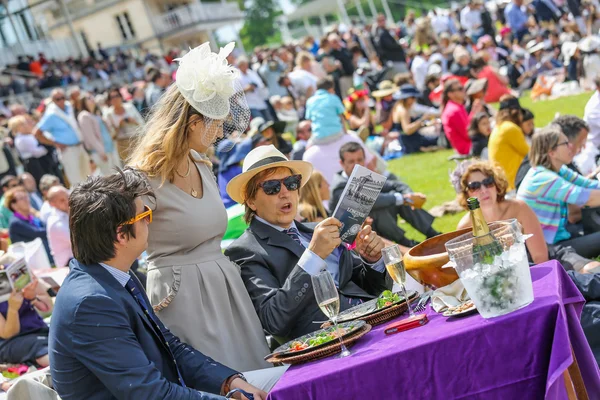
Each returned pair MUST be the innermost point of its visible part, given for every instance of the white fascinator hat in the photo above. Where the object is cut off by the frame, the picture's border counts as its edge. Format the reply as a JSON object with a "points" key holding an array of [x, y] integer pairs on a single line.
{"points": [[212, 87]]}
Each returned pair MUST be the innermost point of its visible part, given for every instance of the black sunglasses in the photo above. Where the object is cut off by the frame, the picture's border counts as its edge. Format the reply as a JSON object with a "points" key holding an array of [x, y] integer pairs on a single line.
{"points": [[273, 186], [476, 185]]}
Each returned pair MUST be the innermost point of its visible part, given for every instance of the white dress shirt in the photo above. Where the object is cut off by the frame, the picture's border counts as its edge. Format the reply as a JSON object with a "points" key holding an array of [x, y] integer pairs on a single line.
{"points": [[28, 147], [59, 237], [256, 98], [45, 212], [470, 19]]}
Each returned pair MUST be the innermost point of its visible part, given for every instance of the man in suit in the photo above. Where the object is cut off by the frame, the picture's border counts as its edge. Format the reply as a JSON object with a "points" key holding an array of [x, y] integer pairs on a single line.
{"points": [[396, 199], [105, 340], [277, 255]]}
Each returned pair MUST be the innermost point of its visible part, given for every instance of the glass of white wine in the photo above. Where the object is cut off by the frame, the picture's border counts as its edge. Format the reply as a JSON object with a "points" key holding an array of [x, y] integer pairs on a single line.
{"points": [[328, 300], [392, 257]]}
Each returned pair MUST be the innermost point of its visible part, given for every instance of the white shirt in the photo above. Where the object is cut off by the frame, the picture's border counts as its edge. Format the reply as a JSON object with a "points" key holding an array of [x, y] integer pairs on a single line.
{"points": [[591, 115], [419, 69], [45, 212], [303, 80], [470, 19], [59, 237], [29, 147], [440, 24], [256, 98]]}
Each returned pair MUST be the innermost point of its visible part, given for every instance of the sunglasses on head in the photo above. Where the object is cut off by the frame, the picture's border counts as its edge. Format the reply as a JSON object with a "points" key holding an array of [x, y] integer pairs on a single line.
{"points": [[146, 214], [273, 186], [476, 185]]}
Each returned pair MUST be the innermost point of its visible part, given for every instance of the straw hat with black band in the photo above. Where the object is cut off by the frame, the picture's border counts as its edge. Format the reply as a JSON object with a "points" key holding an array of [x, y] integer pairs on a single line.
{"points": [[385, 88], [260, 159]]}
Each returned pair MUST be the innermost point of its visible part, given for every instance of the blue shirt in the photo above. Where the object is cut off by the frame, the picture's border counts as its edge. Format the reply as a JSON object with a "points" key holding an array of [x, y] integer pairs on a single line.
{"points": [[323, 109], [516, 18], [61, 131], [106, 138], [313, 264]]}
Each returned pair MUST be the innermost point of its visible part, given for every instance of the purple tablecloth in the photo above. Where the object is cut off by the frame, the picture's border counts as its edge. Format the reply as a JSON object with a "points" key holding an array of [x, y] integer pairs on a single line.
{"points": [[517, 356]]}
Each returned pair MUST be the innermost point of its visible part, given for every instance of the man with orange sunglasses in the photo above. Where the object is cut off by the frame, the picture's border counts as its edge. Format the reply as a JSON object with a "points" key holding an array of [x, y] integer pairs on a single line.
{"points": [[105, 340]]}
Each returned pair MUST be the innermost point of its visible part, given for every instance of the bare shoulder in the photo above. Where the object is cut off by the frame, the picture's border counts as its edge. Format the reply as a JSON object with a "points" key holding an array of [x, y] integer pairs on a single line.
{"points": [[465, 222]]}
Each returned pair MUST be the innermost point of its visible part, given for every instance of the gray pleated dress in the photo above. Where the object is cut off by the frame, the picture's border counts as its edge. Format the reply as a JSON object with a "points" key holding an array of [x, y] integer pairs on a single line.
{"points": [[195, 290]]}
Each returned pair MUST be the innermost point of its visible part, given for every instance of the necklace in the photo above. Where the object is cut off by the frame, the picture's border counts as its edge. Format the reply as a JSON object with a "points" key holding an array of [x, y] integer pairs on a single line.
{"points": [[193, 191], [188, 171]]}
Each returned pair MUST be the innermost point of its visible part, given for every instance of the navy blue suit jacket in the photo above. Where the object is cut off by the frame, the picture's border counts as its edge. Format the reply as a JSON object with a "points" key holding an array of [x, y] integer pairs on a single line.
{"points": [[21, 231], [102, 346]]}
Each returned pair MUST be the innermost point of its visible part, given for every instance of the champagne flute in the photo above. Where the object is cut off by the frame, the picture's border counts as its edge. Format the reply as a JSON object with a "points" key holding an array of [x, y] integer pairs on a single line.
{"points": [[328, 300], [392, 257]]}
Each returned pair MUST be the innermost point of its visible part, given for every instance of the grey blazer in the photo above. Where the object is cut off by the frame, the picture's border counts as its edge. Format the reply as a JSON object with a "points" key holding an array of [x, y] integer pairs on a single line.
{"points": [[282, 292]]}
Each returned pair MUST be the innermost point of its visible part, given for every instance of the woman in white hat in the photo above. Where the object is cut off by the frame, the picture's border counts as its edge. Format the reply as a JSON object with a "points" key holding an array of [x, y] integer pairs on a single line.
{"points": [[194, 289]]}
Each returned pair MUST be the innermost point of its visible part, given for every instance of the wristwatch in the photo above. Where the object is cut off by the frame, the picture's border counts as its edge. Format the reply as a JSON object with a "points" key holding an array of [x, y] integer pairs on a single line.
{"points": [[227, 385]]}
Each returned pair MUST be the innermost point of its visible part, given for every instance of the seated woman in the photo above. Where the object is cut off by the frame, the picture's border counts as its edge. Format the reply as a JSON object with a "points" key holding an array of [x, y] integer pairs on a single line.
{"points": [[411, 139], [312, 196], [23, 333], [497, 84], [358, 113], [475, 90], [488, 183], [507, 145], [479, 132], [24, 226], [550, 186]]}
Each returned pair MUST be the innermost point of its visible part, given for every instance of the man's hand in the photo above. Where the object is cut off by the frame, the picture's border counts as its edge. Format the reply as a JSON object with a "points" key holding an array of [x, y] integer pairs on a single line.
{"points": [[239, 383], [326, 237], [369, 244], [415, 200], [30, 290]]}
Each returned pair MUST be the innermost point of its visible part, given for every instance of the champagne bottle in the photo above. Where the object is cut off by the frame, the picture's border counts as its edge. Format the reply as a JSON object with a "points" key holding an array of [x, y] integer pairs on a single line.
{"points": [[485, 246]]}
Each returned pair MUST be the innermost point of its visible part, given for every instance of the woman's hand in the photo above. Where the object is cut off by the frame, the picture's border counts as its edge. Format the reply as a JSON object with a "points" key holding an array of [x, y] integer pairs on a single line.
{"points": [[15, 300], [29, 291]]}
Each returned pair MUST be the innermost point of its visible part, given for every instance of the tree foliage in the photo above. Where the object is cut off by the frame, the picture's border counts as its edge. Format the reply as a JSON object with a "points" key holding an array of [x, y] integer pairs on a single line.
{"points": [[260, 23]]}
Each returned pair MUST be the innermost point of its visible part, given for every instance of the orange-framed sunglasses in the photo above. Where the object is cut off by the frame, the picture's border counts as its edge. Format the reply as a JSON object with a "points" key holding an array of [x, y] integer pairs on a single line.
{"points": [[146, 214]]}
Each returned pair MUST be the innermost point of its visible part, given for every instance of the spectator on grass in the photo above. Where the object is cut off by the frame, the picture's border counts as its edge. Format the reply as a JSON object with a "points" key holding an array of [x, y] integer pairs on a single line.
{"points": [[497, 85], [551, 186], [388, 49], [455, 119], [479, 133], [396, 200], [411, 139], [507, 145]]}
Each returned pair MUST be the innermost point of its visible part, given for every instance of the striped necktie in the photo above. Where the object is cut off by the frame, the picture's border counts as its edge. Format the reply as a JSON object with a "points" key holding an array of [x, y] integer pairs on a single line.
{"points": [[294, 234]]}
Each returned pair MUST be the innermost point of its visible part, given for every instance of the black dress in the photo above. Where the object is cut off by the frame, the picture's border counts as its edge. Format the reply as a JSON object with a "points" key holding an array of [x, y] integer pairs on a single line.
{"points": [[413, 143]]}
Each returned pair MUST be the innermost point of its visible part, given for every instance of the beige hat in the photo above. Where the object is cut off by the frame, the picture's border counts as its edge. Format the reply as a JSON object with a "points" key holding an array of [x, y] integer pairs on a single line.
{"points": [[260, 159], [385, 88]]}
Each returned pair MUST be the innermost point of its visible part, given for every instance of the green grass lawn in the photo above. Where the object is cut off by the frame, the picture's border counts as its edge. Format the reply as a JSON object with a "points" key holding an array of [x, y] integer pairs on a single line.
{"points": [[429, 173]]}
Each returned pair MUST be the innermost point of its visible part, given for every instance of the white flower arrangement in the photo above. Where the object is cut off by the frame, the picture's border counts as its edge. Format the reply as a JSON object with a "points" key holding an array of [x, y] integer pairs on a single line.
{"points": [[206, 80]]}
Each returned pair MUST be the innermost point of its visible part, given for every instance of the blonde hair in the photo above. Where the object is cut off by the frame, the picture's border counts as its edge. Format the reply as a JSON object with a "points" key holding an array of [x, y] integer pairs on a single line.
{"points": [[163, 142], [311, 203], [16, 122], [303, 56]]}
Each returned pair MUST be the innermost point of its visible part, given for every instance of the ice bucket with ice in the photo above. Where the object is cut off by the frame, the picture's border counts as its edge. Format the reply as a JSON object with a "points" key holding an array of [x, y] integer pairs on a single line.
{"points": [[499, 287]]}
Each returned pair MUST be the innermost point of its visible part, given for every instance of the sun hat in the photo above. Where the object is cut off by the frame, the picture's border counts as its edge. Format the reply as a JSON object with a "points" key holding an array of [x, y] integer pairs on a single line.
{"points": [[255, 124], [406, 92], [260, 159], [474, 86], [212, 87], [385, 88]]}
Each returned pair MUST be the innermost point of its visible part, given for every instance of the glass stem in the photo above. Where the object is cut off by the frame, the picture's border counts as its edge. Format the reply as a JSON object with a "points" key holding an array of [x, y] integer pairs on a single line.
{"points": [[335, 324], [410, 310]]}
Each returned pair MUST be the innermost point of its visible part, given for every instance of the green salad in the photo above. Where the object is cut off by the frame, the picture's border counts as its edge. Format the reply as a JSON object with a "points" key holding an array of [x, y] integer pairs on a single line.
{"points": [[387, 298], [326, 336]]}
